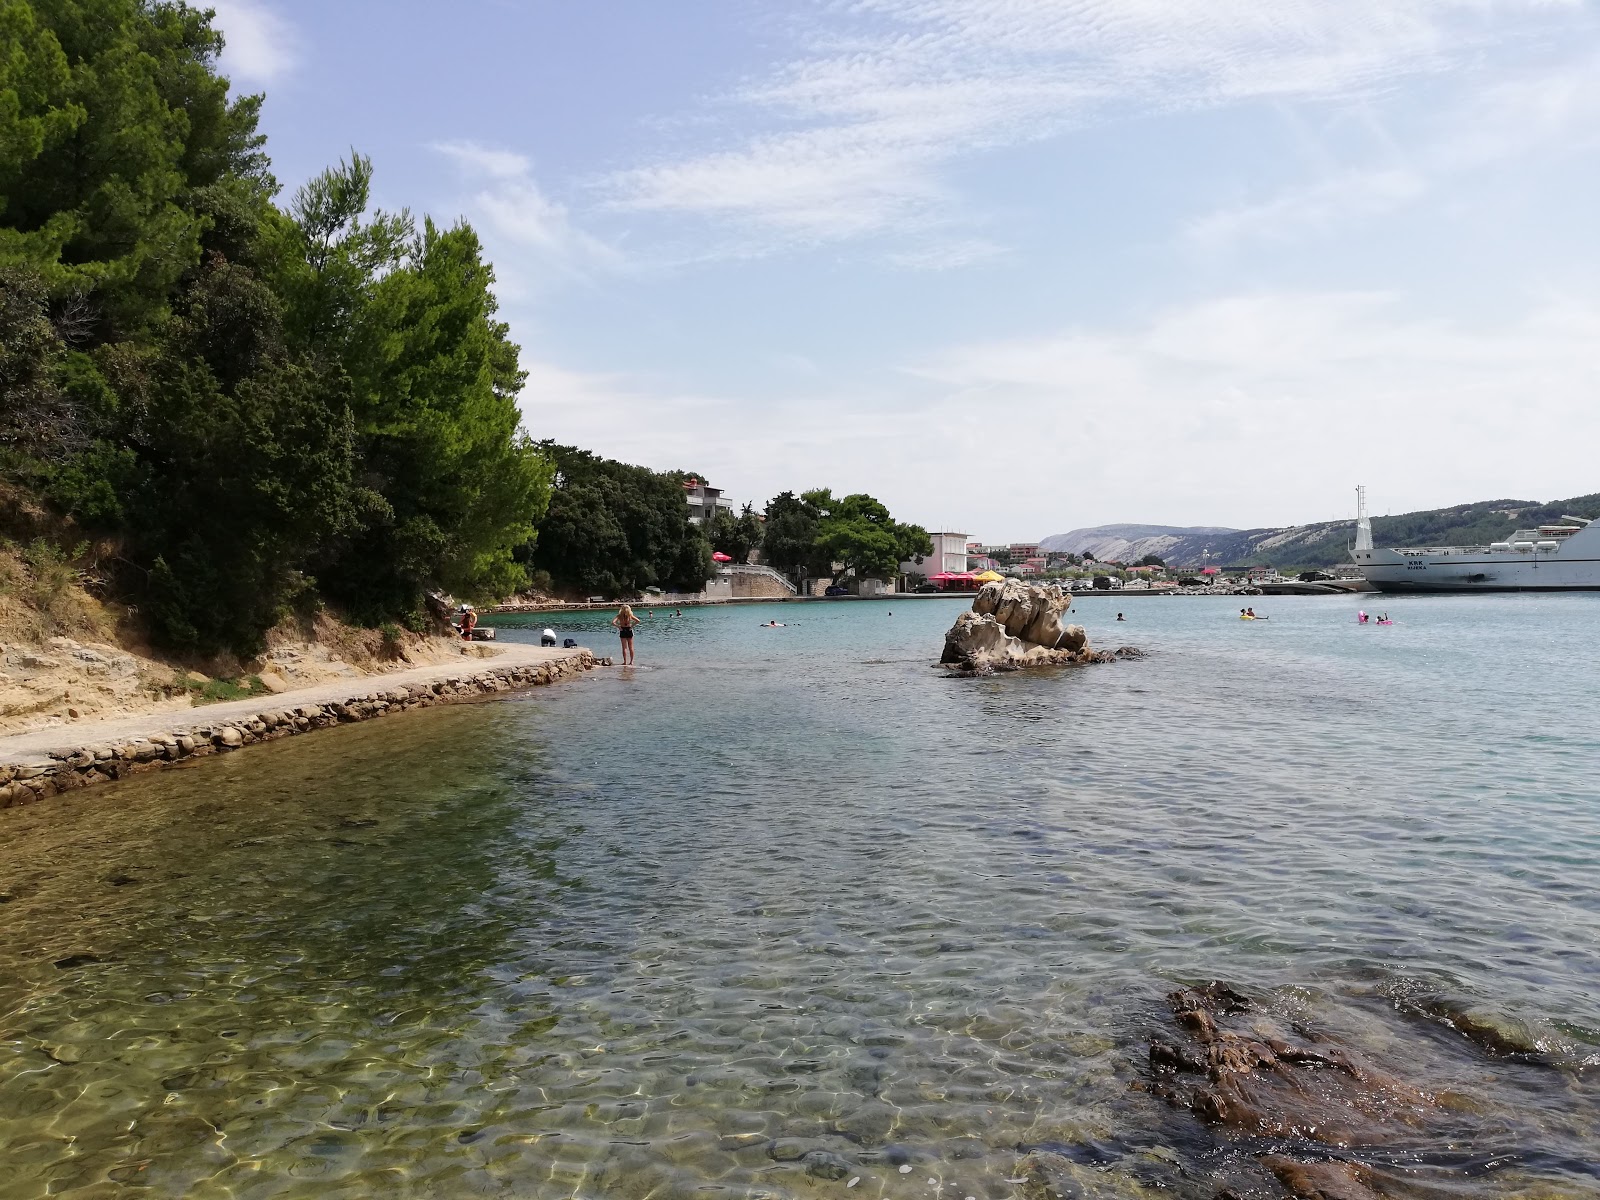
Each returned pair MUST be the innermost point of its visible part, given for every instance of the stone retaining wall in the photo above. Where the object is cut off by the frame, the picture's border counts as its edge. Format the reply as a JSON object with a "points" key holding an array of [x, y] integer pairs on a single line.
{"points": [[69, 769]]}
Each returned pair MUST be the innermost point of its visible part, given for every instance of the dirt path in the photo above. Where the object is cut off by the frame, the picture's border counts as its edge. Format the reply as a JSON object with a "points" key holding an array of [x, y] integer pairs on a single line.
{"points": [[21, 747]]}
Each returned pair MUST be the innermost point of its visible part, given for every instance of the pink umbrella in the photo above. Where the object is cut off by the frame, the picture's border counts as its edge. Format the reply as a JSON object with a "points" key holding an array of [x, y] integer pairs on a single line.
{"points": [[719, 556]]}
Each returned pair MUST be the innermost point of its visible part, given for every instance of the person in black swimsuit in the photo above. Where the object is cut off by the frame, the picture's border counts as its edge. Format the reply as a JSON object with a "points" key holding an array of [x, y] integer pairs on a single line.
{"points": [[625, 621]]}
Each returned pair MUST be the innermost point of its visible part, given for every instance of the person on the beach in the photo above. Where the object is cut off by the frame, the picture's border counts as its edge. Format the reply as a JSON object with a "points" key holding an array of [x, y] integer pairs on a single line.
{"points": [[469, 622], [625, 621]]}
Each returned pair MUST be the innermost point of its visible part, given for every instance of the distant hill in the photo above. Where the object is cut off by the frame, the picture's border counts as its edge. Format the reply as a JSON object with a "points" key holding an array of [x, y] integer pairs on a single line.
{"points": [[1129, 543], [1324, 544]]}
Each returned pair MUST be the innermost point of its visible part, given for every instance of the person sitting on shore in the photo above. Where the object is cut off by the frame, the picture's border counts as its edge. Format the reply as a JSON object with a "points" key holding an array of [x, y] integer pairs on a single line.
{"points": [[624, 622], [547, 638], [469, 622]]}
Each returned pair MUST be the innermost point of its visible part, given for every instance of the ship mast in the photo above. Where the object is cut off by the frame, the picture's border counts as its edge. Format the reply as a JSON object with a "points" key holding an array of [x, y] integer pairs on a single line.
{"points": [[1363, 524]]}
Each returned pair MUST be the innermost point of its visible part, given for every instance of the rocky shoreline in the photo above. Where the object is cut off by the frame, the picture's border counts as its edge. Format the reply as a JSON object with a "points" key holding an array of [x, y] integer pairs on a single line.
{"points": [[81, 760]]}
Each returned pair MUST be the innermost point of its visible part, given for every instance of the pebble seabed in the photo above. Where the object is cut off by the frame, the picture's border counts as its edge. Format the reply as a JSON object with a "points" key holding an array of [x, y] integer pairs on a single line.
{"points": [[84, 765]]}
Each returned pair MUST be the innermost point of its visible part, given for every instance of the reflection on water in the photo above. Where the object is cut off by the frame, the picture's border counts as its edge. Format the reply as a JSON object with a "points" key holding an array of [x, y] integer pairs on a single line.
{"points": [[784, 908]]}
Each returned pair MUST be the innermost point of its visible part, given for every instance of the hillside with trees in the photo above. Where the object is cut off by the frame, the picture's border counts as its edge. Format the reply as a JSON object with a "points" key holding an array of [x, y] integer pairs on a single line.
{"points": [[1322, 544], [222, 404]]}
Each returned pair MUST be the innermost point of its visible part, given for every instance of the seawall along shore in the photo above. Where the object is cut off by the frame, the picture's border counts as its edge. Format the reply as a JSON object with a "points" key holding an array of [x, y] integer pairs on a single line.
{"points": [[47, 762]]}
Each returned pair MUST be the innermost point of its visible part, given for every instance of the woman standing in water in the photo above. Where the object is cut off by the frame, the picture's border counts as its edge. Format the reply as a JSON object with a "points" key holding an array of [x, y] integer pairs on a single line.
{"points": [[625, 621]]}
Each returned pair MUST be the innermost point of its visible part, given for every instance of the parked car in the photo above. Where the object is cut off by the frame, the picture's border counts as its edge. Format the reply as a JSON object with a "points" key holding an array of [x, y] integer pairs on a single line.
{"points": [[836, 590], [926, 587]]}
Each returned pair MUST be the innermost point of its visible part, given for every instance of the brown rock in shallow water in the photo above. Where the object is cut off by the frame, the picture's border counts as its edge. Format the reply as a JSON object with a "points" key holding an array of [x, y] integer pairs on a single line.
{"points": [[1258, 1078], [1321, 1180]]}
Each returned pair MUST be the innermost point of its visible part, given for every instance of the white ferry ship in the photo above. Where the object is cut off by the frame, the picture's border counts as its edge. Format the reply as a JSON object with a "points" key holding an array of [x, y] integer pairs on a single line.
{"points": [[1549, 558]]}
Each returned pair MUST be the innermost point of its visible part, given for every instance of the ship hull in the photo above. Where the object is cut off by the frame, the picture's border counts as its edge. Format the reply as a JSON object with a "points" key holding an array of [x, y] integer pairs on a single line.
{"points": [[1479, 571]]}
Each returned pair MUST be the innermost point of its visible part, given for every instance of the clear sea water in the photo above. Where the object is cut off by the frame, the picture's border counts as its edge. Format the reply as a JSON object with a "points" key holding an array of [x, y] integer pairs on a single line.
{"points": [[778, 892]]}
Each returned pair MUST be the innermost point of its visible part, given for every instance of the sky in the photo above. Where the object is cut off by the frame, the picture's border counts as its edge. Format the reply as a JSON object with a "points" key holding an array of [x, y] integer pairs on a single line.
{"points": [[1012, 266]]}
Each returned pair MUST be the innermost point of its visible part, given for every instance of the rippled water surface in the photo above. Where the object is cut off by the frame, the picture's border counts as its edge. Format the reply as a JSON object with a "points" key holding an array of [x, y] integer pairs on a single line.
{"points": [[783, 908]]}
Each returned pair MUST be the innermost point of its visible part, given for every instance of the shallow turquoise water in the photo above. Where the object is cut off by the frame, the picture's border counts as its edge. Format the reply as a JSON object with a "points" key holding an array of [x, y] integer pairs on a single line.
{"points": [[788, 890]]}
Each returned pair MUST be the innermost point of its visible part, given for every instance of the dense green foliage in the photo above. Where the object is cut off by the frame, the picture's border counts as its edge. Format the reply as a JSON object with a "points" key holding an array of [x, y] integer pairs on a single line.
{"points": [[737, 537], [259, 406], [814, 534], [790, 541], [614, 529]]}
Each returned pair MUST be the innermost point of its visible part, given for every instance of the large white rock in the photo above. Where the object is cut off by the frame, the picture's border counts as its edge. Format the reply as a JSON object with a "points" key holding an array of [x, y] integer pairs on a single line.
{"points": [[1014, 624]]}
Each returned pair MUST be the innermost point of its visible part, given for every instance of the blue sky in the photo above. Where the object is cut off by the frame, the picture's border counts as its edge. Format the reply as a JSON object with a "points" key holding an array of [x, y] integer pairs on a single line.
{"points": [[1013, 266]]}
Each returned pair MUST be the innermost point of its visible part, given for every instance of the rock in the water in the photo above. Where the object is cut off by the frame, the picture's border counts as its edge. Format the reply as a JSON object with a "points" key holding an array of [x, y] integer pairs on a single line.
{"points": [[1498, 1033], [1261, 1079], [1321, 1180], [824, 1164], [1014, 625]]}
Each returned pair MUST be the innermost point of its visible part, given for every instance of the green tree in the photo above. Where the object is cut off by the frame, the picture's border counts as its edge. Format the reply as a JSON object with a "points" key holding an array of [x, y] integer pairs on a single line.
{"points": [[242, 467], [33, 418], [615, 529], [737, 537], [112, 116], [789, 542], [252, 403], [859, 536], [454, 486], [1151, 560]]}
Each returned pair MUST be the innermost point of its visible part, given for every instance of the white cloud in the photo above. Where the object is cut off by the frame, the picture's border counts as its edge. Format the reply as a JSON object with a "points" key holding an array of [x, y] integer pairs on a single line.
{"points": [[260, 44], [534, 234], [1310, 208], [859, 129], [1549, 109], [1244, 410], [484, 160], [1269, 406]]}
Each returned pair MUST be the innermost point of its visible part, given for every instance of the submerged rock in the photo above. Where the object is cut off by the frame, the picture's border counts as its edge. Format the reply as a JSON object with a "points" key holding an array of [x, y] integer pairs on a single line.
{"points": [[1321, 1180], [1501, 1035], [1242, 1070]]}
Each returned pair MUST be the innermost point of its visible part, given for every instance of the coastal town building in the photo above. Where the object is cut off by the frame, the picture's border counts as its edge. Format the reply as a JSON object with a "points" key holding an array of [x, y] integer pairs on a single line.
{"points": [[1023, 551], [704, 500], [949, 556]]}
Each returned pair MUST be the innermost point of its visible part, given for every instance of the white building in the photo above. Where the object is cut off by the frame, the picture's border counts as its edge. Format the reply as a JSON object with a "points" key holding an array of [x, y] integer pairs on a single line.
{"points": [[704, 500], [949, 556]]}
